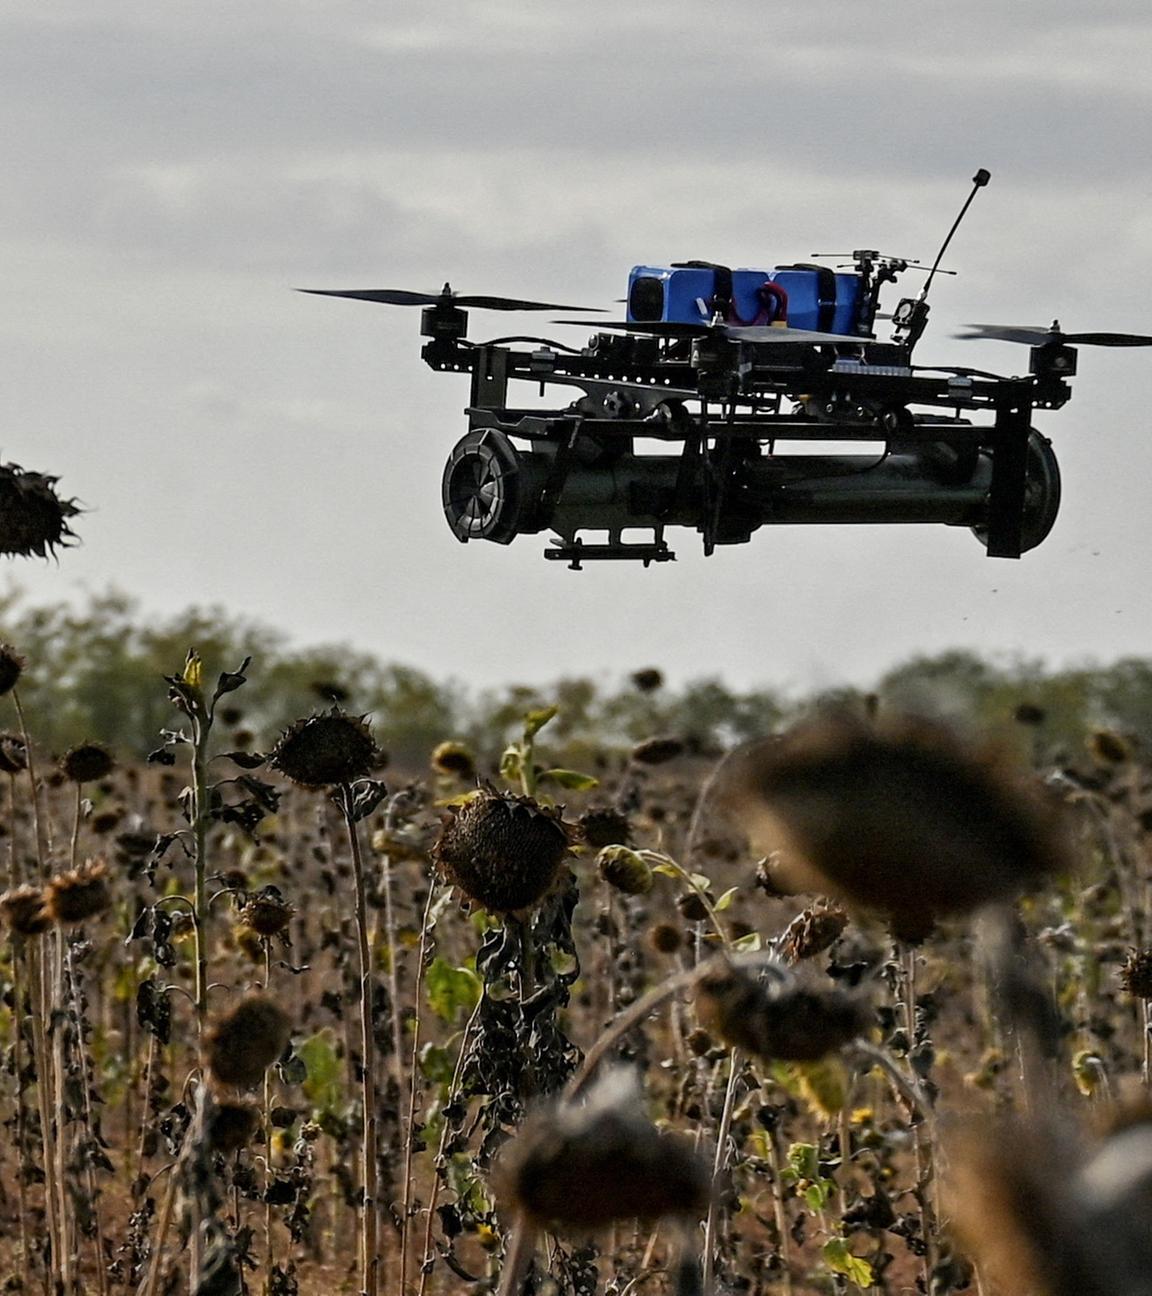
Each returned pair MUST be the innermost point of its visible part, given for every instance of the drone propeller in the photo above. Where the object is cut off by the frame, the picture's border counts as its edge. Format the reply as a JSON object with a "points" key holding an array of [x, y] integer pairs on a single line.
{"points": [[1033, 335], [446, 297], [734, 332]]}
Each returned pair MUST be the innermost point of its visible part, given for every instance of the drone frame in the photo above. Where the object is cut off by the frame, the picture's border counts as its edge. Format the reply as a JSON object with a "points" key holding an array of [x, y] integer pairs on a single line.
{"points": [[637, 385]]}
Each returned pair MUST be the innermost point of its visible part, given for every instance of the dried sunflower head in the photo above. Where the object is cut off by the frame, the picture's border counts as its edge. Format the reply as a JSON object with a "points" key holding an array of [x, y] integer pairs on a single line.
{"points": [[79, 894], [13, 754], [25, 911], [104, 821], [267, 912], [244, 1043], [648, 679], [455, 758], [87, 763], [588, 1165], [326, 749], [230, 1126], [604, 826], [502, 851], [33, 517], [622, 868], [11, 668], [1136, 974], [656, 751], [666, 938], [1028, 713], [1106, 747], [812, 932], [780, 1019], [898, 816]]}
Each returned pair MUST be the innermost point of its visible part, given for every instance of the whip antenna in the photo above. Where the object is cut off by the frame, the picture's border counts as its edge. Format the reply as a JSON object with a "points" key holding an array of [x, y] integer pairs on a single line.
{"points": [[979, 180]]}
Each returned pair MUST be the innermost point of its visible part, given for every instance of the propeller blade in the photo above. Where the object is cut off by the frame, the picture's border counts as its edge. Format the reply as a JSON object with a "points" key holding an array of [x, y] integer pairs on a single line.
{"points": [[1109, 339], [516, 304], [1033, 336], [402, 297], [1028, 334], [387, 296]]}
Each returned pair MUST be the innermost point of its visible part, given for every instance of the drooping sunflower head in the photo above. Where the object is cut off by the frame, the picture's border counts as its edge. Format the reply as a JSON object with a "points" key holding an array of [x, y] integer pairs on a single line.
{"points": [[586, 1165], [267, 913], [13, 754], [454, 758], [325, 750], [901, 816], [87, 763], [33, 517], [24, 910], [502, 851], [244, 1043], [79, 894], [780, 1019]]}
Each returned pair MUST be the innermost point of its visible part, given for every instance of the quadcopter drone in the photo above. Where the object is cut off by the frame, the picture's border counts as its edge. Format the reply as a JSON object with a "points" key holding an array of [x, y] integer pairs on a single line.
{"points": [[728, 371]]}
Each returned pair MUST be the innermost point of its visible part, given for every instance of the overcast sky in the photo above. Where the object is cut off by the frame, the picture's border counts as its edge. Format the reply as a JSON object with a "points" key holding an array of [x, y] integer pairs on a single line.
{"points": [[171, 171]]}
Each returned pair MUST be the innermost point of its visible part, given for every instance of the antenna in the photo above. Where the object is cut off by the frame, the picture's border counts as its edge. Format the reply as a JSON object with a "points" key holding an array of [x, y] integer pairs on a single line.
{"points": [[911, 315], [979, 180]]}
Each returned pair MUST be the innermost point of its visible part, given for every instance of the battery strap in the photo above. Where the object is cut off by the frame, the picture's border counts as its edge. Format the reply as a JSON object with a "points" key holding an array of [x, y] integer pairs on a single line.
{"points": [[721, 284]]}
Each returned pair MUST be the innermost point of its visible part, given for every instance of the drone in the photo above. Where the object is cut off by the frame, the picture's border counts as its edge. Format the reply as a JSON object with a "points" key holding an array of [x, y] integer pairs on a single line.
{"points": [[706, 408]]}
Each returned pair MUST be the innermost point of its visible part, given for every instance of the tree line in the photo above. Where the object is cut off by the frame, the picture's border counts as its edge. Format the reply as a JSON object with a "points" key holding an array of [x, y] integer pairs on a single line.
{"points": [[95, 671]]}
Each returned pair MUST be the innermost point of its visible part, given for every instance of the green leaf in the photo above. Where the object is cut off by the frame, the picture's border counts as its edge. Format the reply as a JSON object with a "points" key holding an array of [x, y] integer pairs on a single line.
{"points": [[700, 882], [840, 1260], [322, 1084], [823, 1084], [571, 779], [436, 1063], [666, 870], [534, 721], [452, 991], [816, 1195], [803, 1161], [751, 942], [726, 899]]}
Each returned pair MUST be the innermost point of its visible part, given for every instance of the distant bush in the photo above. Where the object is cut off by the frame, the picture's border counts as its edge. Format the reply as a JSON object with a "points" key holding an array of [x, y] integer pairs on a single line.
{"points": [[95, 668]]}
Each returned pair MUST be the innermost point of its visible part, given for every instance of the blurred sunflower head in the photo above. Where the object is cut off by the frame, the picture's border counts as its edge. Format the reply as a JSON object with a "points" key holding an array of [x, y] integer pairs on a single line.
{"points": [[584, 1166], [899, 816]]}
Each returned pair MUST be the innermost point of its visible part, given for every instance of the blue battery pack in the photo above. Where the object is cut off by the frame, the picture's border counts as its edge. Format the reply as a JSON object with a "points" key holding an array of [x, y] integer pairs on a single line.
{"points": [[805, 297]]}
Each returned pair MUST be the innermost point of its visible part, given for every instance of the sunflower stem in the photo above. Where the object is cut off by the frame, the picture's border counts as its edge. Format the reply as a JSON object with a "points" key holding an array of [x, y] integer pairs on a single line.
{"points": [[269, 1217], [74, 844], [434, 1196], [413, 1072], [368, 1231], [200, 729], [718, 1164], [925, 1161]]}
